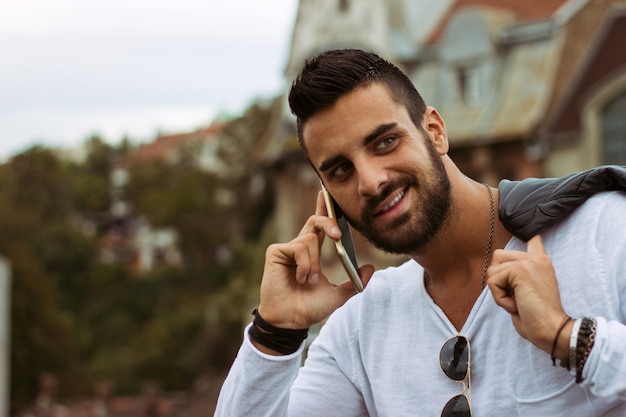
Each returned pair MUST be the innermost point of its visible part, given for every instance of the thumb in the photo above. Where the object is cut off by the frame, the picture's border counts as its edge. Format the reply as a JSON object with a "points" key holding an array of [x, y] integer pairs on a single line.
{"points": [[365, 273], [535, 246]]}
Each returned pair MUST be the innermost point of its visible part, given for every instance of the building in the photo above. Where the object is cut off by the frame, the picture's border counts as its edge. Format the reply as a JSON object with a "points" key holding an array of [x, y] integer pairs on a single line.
{"points": [[527, 87]]}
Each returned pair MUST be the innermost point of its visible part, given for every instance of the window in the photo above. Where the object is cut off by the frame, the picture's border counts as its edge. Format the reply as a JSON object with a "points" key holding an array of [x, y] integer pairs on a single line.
{"points": [[468, 85], [614, 131]]}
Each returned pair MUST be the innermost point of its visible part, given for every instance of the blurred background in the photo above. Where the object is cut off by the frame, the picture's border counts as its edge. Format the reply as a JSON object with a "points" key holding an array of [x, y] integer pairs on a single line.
{"points": [[149, 158]]}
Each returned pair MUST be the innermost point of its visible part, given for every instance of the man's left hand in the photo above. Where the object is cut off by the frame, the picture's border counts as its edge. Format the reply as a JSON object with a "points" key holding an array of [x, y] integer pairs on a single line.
{"points": [[525, 285]]}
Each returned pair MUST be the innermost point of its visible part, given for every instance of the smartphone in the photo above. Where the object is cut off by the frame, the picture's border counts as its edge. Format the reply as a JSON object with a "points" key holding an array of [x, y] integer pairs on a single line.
{"points": [[345, 245]]}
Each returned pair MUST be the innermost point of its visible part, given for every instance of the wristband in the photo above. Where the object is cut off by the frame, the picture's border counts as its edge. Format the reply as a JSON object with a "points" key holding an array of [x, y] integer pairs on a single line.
{"points": [[572, 345], [283, 341]]}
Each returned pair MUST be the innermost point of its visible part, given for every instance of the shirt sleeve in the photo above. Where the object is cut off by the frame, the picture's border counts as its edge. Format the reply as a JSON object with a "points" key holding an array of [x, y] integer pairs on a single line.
{"points": [[258, 384], [605, 370], [276, 386]]}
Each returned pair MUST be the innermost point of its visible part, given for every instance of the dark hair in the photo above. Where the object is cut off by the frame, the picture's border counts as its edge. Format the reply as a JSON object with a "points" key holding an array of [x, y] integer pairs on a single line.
{"points": [[332, 74]]}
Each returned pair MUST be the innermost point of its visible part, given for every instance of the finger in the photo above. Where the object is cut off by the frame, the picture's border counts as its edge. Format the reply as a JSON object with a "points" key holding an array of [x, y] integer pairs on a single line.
{"points": [[301, 255], [348, 287], [322, 210], [306, 255], [314, 258], [322, 226], [497, 268], [296, 254], [320, 223], [505, 298], [501, 256], [320, 205], [501, 290], [365, 273], [535, 245]]}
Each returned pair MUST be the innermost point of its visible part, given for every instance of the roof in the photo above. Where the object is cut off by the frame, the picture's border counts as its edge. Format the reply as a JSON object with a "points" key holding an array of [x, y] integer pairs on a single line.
{"points": [[165, 145], [523, 10]]}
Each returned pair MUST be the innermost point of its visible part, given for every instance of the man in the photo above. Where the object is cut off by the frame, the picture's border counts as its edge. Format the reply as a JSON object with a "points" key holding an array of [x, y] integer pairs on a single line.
{"points": [[473, 323]]}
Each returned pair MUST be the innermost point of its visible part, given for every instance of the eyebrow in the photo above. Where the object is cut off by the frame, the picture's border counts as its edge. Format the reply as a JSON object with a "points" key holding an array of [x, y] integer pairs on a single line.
{"points": [[370, 137]]}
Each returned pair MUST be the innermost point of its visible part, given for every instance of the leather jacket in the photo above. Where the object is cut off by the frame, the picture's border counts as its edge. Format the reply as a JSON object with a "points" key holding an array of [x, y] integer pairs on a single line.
{"points": [[529, 206]]}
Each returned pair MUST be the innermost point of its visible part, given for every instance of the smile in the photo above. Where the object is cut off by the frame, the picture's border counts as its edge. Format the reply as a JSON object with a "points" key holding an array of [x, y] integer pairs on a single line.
{"points": [[393, 202]]}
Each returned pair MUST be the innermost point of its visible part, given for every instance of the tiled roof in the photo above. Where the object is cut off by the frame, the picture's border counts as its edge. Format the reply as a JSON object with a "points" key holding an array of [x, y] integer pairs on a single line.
{"points": [[165, 145], [523, 10]]}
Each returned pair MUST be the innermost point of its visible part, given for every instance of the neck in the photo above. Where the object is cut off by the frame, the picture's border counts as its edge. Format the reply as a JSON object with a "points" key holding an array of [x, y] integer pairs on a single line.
{"points": [[454, 261], [457, 255]]}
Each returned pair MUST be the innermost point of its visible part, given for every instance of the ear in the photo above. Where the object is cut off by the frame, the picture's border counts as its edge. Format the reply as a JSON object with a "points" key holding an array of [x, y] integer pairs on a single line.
{"points": [[435, 126]]}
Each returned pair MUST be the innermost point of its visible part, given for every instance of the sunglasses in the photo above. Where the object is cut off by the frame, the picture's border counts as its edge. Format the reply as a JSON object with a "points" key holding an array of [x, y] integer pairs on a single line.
{"points": [[454, 359]]}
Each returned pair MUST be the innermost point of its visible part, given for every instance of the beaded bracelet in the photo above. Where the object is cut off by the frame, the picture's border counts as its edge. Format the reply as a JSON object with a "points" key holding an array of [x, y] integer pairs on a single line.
{"points": [[584, 344]]}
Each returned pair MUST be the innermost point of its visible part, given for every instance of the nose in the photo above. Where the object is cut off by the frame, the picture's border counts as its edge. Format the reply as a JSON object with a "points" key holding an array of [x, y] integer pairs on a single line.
{"points": [[371, 178]]}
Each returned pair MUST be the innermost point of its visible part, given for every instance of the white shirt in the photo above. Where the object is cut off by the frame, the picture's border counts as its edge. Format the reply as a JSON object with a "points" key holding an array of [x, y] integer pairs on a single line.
{"points": [[378, 355]]}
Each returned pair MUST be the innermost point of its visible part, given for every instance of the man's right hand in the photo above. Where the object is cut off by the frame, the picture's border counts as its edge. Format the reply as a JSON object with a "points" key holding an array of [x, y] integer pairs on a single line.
{"points": [[295, 293]]}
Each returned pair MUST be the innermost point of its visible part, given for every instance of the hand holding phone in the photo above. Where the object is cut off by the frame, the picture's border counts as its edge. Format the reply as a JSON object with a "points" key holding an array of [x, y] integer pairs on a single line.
{"points": [[345, 246]]}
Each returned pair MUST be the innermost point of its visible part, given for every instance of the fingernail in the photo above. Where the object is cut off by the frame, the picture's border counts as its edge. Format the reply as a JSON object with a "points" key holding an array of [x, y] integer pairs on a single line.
{"points": [[335, 230], [314, 278]]}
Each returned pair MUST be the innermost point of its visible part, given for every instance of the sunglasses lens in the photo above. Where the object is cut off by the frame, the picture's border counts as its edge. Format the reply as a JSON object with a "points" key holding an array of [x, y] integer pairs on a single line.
{"points": [[457, 407], [454, 358]]}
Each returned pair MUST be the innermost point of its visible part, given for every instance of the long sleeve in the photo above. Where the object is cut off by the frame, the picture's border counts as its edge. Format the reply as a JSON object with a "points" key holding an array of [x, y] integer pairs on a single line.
{"points": [[258, 384], [605, 370], [263, 385]]}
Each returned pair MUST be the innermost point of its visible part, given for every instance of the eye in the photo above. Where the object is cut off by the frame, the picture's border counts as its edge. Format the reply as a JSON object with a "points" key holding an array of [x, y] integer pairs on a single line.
{"points": [[341, 169], [386, 142]]}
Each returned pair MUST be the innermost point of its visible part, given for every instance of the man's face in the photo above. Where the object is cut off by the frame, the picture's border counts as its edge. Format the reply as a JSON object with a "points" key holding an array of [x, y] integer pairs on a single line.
{"points": [[386, 174]]}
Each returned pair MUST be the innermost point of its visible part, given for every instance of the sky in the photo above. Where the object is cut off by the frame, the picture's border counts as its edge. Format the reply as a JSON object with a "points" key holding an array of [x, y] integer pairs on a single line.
{"points": [[73, 68]]}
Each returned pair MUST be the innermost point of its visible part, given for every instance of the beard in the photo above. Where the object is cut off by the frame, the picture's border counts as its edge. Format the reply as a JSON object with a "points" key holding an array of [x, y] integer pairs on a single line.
{"points": [[412, 230]]}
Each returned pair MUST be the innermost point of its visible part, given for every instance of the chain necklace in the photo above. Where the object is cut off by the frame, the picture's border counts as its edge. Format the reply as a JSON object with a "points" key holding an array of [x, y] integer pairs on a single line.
{"points": [[492, 221]]}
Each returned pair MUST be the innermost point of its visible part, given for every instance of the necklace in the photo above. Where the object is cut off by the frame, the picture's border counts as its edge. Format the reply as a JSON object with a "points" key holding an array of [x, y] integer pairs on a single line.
{"points": [[492, 221]]}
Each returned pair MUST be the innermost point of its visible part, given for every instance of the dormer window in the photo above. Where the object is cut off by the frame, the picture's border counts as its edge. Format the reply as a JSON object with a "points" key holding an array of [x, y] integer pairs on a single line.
{"points": [[468, 85]]}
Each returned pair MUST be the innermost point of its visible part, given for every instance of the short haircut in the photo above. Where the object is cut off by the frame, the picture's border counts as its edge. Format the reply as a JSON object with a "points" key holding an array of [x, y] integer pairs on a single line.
{"points": [[332, 74]]}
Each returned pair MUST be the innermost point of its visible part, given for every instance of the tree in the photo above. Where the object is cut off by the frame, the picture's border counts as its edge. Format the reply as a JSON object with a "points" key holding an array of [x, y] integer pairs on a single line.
{"points": [[35, 182], [90, 180], [33, 200], [84, 320]]}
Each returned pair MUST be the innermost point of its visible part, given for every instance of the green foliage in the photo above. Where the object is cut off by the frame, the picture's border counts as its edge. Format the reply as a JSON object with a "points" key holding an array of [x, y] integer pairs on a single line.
{"points": [[33, 201], [148, 328], [87, 321], [40, 336], [187, 198], [34, 182], [90, 180]]}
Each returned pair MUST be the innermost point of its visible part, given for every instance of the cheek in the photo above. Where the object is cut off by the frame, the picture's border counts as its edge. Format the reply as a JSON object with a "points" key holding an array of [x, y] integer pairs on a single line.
{"points": [[352, 208], [351, 203]]}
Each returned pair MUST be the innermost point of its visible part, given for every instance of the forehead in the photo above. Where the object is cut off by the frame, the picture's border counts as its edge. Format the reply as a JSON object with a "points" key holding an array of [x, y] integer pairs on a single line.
{"points": [[352, 117]]}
